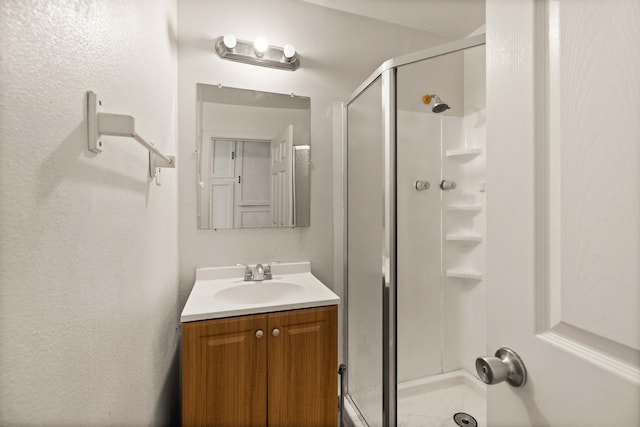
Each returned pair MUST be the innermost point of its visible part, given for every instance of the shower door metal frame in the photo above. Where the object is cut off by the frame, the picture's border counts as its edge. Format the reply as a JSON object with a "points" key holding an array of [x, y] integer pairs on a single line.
{"points": [[387, 71], [389, 282]]}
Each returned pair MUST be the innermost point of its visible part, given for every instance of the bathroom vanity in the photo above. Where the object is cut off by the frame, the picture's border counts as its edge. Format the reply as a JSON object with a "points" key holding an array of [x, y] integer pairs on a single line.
{"points": [[259, 353]]}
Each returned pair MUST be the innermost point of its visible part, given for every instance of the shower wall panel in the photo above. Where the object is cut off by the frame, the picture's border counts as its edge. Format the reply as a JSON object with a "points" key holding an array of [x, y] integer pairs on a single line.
{"points": [[419, 246], [441, 320], [421, 319], [465, 313]]}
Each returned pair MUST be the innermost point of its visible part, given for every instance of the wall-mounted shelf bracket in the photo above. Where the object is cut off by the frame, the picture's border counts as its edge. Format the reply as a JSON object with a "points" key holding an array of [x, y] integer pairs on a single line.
{"points": [[99, 124]]}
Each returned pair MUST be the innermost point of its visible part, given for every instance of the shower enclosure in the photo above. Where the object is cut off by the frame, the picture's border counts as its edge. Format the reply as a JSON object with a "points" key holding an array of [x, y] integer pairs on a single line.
{"points": [[414, 236]]}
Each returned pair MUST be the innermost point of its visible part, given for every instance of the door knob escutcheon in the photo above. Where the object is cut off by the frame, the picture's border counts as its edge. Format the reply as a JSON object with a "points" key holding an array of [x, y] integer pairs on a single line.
{"points": [[505, 366]]}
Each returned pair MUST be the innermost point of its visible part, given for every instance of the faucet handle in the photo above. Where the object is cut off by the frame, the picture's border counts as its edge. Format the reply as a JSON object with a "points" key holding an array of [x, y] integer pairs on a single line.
{"points": [[259, 275], [267, 272], [248, 273]]}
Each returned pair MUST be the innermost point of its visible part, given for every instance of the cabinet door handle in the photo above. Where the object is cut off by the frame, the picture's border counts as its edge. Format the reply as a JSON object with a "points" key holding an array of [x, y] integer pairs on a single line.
{"points": [[276, 332], [259, 333]]}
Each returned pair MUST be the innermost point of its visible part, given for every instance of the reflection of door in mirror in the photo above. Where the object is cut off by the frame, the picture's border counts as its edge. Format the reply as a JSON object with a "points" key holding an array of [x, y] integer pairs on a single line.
{"points": [[240, 184], [235, 132], [223, 173], [282, 179]]}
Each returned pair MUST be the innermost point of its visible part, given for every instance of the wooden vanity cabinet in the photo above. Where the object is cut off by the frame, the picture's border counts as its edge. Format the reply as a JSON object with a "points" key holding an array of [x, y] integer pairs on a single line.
{"points": [[224, 372], [233, 375]]}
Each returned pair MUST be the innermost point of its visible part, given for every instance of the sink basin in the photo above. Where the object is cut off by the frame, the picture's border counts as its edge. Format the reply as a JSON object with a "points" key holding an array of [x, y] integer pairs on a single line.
{"points": [[221, 292], [259, 292]]}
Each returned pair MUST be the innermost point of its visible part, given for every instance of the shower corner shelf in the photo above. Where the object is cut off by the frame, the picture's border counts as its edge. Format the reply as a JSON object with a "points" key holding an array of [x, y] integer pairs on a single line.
{"points": [[472, 238], [464, 152], [464, 208], [464, 274]]}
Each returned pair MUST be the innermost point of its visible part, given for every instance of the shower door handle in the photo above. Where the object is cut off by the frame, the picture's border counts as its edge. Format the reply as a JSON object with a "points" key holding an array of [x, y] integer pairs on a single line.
{"points": [[505, 366]]}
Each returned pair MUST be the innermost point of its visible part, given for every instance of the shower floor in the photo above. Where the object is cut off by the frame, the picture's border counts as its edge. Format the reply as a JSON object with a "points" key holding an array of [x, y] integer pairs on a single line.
{"points": [[432, 401]]}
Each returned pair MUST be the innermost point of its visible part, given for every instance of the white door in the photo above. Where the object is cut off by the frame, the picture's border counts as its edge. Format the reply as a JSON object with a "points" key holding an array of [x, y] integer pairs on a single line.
{"points": [[282, 178], [252, 193], [222, 181], [563, 247]]}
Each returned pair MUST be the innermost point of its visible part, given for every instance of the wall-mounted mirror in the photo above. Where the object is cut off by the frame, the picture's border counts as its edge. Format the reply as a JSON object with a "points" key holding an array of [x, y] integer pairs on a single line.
{"points": [[254, 158]]}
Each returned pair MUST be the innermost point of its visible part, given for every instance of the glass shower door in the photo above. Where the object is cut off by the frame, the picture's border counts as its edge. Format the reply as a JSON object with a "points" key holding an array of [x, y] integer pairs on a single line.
{"points": [[415, 312], [365, 240]]}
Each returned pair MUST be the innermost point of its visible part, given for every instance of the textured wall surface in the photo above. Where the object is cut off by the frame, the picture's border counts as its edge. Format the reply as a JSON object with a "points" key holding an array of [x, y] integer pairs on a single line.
{"points": [[338, 51], [89, 263]]}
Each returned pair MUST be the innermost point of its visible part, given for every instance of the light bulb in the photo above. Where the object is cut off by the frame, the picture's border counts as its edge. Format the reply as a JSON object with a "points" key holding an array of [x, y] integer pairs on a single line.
{"points": [[289, 51], [261, 45], [229, 41]]}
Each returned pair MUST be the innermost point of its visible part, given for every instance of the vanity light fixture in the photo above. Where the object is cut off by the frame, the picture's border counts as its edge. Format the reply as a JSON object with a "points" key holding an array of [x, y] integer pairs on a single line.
{"points": [[260, 45], [229, 41], [258, 52], [289, 52]]}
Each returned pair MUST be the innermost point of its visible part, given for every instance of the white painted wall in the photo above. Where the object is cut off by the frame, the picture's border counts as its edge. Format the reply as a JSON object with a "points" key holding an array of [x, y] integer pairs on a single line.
{"points": [[88, 265], [338, 51]]}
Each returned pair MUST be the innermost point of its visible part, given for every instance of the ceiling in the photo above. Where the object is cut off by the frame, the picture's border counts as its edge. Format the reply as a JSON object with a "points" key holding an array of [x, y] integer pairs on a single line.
{"points": [[451, 18]]}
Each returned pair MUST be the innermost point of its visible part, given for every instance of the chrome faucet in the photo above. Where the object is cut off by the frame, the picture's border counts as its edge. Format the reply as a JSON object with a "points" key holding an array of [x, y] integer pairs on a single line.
{"points": [[261, 272], [248, 273]]}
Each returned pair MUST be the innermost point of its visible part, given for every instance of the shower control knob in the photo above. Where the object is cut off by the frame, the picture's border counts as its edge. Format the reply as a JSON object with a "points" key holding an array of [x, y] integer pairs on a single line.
{"points": [[447, 185], [422, 185], [505, 366]]}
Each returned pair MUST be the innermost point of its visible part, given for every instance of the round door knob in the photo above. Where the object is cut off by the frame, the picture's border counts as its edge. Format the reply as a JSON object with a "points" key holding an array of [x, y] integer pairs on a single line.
{"points": [[259, 333], [505, 366], [276, 332]]}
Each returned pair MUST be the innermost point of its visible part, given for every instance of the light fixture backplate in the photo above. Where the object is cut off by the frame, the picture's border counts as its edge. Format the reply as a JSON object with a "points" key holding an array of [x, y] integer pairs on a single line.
{"points": [[244, 52]]}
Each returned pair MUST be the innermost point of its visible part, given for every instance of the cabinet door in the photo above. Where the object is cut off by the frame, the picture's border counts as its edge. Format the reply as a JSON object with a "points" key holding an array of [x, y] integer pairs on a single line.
{"points": [[303, 362], [224, 372]]}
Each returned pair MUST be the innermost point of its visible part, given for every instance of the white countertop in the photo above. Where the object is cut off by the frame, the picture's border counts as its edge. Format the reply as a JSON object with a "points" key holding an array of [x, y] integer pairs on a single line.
{"points": [[207, 299]]}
